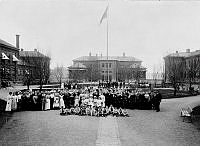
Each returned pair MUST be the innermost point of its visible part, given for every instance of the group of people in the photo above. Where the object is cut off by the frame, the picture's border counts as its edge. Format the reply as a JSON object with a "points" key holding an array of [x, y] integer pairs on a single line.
{"points": [[89, 110], [94, 101]]}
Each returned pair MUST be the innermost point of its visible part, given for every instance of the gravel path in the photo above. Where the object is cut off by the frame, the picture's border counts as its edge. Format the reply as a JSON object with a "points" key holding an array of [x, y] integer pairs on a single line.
{"points": [[108, 134], [49, 128], [164, 128]]}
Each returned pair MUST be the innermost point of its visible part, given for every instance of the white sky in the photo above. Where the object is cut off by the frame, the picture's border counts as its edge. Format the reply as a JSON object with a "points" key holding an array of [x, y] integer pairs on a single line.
{"points": [[67, 29]]}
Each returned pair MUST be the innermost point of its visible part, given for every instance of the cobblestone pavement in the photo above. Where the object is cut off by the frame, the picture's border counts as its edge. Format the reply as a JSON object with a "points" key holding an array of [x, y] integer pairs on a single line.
{"points": [[143, 127]]}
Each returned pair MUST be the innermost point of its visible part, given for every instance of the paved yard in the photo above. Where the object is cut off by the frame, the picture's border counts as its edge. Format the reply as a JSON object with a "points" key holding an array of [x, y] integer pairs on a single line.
{"points": [[143, 127]]}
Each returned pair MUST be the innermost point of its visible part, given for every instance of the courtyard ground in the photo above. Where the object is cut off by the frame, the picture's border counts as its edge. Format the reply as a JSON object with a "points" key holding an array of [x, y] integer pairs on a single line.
{"points": [[143, 127]]}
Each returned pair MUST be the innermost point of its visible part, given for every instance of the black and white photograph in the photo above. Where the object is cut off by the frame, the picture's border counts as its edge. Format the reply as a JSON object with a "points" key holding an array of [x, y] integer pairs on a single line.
{"points": [[99, 72]]}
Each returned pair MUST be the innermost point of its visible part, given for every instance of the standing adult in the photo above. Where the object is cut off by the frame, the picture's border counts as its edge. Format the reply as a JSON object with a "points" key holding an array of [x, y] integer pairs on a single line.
{"points": [[51, 100], [62, 103], [14, 102], [9, 102], [43, 101], [47, 106], [158, 98]]}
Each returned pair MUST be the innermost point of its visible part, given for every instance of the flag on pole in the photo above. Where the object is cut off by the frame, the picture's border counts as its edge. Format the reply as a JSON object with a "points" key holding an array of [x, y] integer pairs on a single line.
{"points": [[4, 56], [104, 15]]}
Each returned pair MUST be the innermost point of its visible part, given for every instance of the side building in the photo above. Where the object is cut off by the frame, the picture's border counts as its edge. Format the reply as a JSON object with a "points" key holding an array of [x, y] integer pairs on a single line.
{"points": [[33, 67], [101, 68], [8, 63], [182, 67]]}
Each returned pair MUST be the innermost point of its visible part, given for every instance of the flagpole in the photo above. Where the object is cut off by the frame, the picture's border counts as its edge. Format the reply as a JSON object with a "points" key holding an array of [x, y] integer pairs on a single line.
{"points": [[107, 42]]}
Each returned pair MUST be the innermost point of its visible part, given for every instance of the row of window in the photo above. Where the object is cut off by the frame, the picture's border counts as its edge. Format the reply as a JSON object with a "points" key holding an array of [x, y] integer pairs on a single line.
{"points": [[105, 77], [106, 65], [106, 71]]}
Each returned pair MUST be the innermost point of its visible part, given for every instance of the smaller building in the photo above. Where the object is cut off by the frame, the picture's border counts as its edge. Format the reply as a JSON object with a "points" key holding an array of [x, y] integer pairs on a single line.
{"points": [[183, 67], [33, 67], [78, 71]]}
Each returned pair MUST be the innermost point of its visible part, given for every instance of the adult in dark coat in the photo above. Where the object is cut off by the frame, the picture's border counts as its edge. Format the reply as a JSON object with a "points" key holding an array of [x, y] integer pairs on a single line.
{"points": [[157, 101]]}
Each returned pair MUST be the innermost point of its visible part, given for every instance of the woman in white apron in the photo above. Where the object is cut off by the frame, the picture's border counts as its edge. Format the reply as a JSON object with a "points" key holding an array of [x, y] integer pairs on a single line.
{"points": [[14, 102], [56, 101], [47, 106], [9, 102], [62, 103]]}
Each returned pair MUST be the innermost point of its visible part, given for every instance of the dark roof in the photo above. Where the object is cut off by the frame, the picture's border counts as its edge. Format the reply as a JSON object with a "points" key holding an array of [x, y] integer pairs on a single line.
{"points": [[31, 54], [179, 54], [2, 42], [118, 58], [197, 52], [184, 54]]}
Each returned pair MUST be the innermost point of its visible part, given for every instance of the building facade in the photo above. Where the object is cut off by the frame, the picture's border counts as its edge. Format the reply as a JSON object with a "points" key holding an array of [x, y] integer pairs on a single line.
{"points": [[101, 68], [183, 67], [33, 67], [8, 63]]}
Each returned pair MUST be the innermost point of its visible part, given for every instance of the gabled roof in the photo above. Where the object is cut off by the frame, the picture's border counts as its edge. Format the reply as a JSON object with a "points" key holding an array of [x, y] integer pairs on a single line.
{"points": [[31, 54], [2, 42], [95, 58]]}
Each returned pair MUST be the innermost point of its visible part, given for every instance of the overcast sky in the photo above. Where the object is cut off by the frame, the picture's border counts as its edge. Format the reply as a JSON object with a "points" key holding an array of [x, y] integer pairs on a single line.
{"points": [[67, 29]]}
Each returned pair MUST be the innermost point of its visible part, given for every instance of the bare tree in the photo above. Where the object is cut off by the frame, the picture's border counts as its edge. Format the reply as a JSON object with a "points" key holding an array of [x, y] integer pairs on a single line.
{"points": [[175, 71], [192, 72], [59, 73], [155, 75]]}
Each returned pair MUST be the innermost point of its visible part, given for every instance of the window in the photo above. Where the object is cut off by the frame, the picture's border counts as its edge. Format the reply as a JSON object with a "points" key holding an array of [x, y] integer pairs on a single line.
{"points": [[110, 65], [106, 65], [102, 71], [106, 71], [110, 71], [102, 64], [102, 77]]}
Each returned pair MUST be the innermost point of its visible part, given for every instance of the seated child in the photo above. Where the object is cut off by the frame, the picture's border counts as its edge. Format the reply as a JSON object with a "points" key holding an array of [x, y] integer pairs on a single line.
{"points": [[115, 112], [62, 111], [111, 110], [72, 112], [125, 113], [77, 110]]}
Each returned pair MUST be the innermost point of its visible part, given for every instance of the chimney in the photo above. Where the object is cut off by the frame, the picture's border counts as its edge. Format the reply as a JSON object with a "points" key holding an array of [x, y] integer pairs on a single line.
{"points": [[176, 51], [22, 49], [35, 50], [96, 55], [123, 54], [90, 54], [187, 50], [17, 41]]}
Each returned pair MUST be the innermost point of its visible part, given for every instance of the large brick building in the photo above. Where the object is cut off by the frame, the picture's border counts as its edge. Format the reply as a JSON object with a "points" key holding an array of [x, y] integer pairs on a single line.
{"points": [[33, 67], [8, 63], [101, 68], [183, 67]]}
